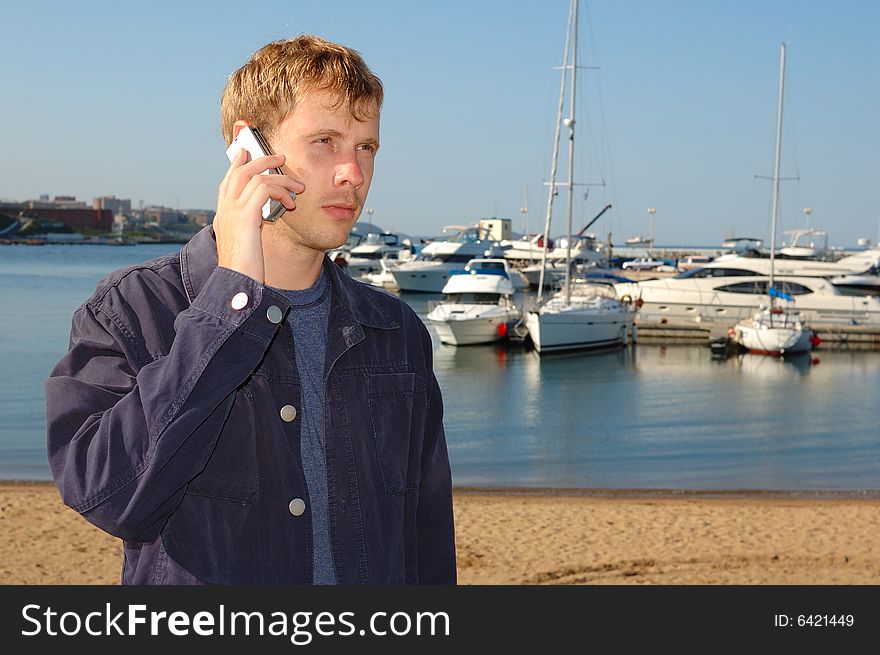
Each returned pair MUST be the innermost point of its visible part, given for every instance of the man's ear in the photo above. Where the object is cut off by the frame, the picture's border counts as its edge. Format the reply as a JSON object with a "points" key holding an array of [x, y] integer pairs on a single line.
{"points": [[236, 127]]}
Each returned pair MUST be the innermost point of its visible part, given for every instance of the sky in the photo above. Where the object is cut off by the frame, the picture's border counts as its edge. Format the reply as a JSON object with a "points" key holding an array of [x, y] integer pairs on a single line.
{"points": [[676, 108]]}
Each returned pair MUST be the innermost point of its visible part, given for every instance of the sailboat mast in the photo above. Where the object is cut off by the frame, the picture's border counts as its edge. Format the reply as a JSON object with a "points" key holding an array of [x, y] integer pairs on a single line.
{"points": [[776, 166], [570, 125], [552, 186]]}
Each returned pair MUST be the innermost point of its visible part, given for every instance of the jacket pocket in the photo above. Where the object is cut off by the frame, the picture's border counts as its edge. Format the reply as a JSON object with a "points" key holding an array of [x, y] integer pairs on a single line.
{"points": [[231, 470], [397, 405]]}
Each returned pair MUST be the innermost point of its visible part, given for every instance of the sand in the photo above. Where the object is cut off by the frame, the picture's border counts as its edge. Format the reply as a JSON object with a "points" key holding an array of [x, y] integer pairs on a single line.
{"points": [[507, 537]]}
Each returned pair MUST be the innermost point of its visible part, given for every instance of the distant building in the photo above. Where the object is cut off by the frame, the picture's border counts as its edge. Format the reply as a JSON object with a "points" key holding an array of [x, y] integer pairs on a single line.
{"points": [[200, 217], [69, 202], [71, 213], [114, 204], [163, 216]]}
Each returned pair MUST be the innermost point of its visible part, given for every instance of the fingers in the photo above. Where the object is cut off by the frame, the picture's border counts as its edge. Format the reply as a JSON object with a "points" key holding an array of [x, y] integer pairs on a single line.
{"points": [[263, 187], [241, 170], [261, 184]]}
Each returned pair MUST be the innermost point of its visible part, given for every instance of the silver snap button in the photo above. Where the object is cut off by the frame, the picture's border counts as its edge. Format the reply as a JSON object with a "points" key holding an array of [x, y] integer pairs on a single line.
{"points": [[297, 506], [274, 314], [288, 413], [239, 301]]}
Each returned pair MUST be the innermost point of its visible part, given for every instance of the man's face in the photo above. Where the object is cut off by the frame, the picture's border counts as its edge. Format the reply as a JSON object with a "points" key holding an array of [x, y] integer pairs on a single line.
{"points": [[332, 153]]}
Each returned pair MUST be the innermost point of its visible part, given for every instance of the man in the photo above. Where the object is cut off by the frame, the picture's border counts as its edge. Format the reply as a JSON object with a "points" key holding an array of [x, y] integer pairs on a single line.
{"points": [[243, 411]]}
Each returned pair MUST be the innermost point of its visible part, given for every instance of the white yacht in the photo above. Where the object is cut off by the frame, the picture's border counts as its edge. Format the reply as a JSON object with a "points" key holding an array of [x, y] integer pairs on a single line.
{"points": [[478, 306], [584, 254], [591, 317], [726, 295], [366, 257], [433, 266], [583, 314], [778, 329], [774, 331], [855, 274]]}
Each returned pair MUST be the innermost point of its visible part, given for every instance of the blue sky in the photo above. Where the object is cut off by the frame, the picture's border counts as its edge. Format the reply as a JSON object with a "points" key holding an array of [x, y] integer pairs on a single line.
{"points": [[123, 98]]}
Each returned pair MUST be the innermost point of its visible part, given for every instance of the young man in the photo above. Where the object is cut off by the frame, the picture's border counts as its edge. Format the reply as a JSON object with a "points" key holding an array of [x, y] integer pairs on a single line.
{"points": [[243, 411]]}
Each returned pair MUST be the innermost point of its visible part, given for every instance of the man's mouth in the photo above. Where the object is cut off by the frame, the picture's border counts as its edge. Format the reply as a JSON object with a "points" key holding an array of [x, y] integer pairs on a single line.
{"points": [[341, 210]]}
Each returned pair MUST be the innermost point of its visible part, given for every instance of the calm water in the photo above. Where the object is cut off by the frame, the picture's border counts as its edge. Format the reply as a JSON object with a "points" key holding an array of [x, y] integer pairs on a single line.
{"points": [[650, 417]]}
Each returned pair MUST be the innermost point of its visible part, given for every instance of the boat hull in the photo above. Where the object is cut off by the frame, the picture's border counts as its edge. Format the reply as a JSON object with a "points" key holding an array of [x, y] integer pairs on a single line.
{"points": [[457, 330], [776, 341], [577, 330], [423, 280]]}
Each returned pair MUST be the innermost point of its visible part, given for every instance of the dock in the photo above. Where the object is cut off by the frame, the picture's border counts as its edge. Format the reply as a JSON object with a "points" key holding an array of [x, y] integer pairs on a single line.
{"points": [[847, 337]]}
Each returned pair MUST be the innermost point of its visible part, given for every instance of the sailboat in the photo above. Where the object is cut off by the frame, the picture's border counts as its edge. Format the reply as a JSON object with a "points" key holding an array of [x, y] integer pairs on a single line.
{"points": [[581, 315], [775, 329]]}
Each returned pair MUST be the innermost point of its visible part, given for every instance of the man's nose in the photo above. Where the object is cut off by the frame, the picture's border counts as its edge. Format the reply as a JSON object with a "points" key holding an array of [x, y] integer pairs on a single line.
{"points": [[349, 171]]}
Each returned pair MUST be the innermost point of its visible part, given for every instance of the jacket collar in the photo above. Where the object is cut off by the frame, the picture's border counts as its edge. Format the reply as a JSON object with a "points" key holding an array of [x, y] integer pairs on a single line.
{"points": [[198, 259]]}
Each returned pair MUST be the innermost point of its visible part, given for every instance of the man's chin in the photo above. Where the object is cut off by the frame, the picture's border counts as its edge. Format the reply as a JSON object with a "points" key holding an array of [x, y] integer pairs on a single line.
{"points": [[327, 236]]}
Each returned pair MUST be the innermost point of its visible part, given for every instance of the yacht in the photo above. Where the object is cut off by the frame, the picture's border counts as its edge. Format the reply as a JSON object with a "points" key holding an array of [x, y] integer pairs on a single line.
{"points": [[366, 257], [774, 331], [478, 306], [591, 317], [778, 329], [433, 266], [583, 314], [856, 274], [714, 294], [584, 254]]}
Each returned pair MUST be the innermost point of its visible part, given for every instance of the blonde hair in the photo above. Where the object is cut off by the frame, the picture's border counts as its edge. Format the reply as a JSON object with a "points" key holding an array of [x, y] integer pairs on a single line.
{"points": [[264, 91]]}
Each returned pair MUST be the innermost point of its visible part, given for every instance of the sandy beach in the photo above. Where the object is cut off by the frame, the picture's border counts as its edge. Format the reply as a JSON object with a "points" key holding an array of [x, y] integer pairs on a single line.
{"points": [[507, 537]]}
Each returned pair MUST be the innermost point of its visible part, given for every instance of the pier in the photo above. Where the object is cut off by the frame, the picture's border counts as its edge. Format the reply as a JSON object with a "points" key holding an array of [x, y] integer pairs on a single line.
{"points": [[853, 337]]}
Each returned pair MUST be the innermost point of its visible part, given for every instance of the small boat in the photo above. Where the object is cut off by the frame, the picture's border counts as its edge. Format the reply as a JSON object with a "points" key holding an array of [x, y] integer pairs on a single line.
{"points": [[775, 330], [478, 306], [590, 316], [639, 240], [583, 314]]}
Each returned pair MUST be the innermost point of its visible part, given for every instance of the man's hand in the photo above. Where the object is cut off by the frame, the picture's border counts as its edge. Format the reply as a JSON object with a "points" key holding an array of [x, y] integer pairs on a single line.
{"points": [[239, 218]]}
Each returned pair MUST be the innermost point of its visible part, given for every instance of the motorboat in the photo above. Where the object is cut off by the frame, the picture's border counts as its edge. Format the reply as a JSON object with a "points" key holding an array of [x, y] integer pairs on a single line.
{"points": [[366, 257], [583, 253], [478, 305], [806, 244], [732, 295], [429, 271]]}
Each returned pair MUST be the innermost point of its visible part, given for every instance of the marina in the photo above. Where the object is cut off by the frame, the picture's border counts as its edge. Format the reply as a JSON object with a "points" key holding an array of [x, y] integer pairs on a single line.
{"points": [[664, 413]]}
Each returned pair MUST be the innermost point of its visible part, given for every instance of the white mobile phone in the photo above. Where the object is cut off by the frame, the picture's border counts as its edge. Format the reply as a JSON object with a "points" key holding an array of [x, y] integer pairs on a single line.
{"points": [[253, 142]]}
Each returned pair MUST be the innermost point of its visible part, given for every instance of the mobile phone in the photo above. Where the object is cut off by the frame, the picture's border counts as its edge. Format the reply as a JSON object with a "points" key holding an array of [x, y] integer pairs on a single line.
{"points": [[255, 144]]}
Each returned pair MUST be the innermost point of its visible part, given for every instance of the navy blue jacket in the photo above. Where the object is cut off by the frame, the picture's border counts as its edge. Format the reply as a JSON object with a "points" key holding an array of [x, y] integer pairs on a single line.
{"points": [[165, 429]]}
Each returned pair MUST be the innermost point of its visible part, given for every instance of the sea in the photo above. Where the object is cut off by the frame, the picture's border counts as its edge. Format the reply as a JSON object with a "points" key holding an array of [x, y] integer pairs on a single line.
{"points": [[643, 417]]}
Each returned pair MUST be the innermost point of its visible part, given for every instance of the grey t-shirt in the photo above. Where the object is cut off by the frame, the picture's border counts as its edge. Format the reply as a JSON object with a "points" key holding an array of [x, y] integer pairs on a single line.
{"points": [[308, 321]]}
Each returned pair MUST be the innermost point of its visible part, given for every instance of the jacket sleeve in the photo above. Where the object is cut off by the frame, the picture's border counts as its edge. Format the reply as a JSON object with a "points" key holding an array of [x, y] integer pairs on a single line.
{"points": [[125, 437], [434, 516]]}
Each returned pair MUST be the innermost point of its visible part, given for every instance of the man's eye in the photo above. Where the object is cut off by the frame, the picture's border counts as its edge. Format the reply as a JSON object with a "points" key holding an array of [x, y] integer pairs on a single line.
{"points": [[323, 139], [369, 147]]}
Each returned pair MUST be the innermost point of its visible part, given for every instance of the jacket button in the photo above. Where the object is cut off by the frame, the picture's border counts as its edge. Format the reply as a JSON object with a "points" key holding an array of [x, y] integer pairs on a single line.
{"points": [[239, 301], [288, 413], [274, 315], [297, 506]]}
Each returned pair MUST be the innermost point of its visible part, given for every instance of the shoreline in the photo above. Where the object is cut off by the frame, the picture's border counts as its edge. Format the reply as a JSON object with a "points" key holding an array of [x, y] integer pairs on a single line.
{"points": [[599, 492]]}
